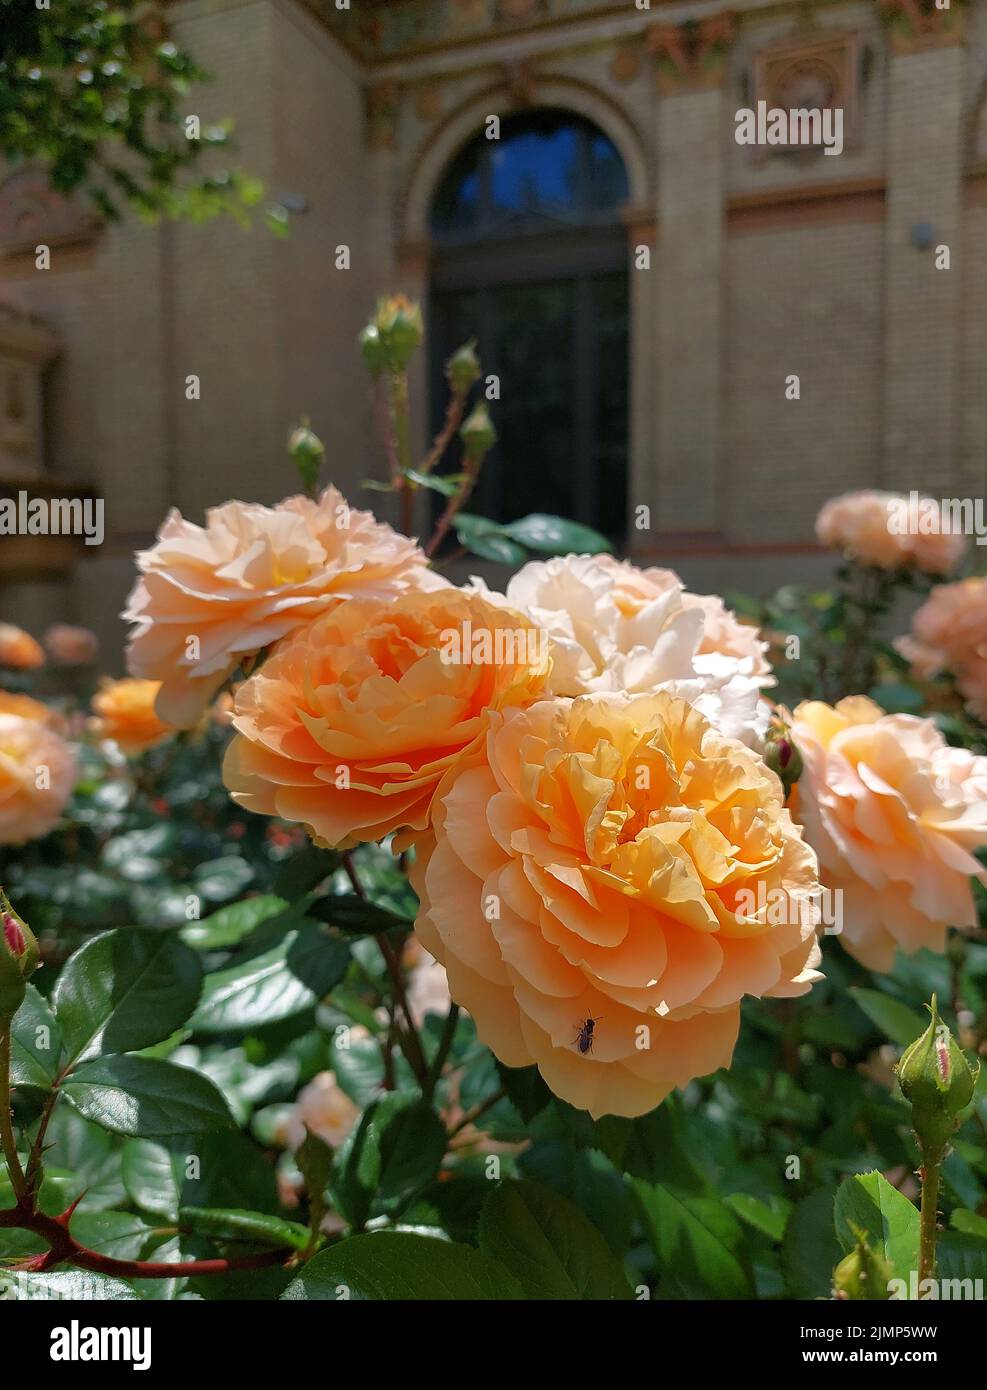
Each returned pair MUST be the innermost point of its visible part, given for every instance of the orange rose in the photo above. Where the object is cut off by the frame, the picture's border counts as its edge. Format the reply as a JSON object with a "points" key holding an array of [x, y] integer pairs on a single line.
{"points": [[606, 886], [125, 713], [354, 720], [889, 531], [26, 708], [211, 596], [37, 774], [894, 814], [18, 649], [323, 1108], [71, 646]]}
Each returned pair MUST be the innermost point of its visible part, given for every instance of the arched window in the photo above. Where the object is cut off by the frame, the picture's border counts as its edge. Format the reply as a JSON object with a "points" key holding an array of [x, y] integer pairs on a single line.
{"points": [[531, 260]]}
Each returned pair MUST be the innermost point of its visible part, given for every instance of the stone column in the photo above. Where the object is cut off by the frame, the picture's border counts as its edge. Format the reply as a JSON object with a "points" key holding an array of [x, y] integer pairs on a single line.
{"points": [[691, 66], [923, 214]]}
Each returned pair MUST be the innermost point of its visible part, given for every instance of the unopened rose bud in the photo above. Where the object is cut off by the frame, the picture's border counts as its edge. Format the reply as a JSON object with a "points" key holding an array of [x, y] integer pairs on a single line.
{"points": [[372, 349], [463, 368], [400, 330], [863, 1274], [18, 959], [781, 754], [938, 1082], [308, 452], [478, 433]]}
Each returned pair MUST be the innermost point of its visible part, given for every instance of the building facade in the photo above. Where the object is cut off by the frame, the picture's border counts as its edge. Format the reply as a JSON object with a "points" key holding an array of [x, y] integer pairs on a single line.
{"points": [[696, 341]]}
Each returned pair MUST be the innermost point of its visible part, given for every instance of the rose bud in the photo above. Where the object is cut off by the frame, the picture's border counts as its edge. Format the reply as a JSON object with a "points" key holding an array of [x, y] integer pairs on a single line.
{"points": [[937, 1081], [463, 368], [863, 1274], [308, 452], [18, 959], [400, 329], [781, 754], [478, 433]]}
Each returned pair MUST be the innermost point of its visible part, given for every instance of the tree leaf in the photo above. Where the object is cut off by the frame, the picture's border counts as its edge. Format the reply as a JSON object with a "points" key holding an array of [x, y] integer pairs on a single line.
{"points": [[809, 1249], [393, 1151], [224, 1223], [354, 914], [146, 1098], [895, 1020], [230, 925], [554, 535], [35, 1043], [548, 1244], [288, 978], [698, 1241], [125, 990], [65, 1284], [869, 1203], [388, 1265], [770, 1218]]}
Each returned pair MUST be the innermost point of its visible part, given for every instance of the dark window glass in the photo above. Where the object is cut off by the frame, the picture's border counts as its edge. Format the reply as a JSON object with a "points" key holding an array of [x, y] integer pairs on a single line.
{"points": [[550, 315]]}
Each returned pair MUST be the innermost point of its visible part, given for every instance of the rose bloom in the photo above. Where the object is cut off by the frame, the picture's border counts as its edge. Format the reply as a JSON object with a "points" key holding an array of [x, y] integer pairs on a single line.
{"points": [[950, 631], [594, 867], [28, 748], [614, 627], [70, 646], [27, 708], [894, 814], [324, 1109], [125, 712], [354, 720], [245, 579], [868, 527], [18, 649]]}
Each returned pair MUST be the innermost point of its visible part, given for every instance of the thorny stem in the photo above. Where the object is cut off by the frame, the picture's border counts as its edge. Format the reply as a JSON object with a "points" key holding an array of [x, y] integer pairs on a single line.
{"points": [[441, 442], [63, 1248], [410, 1041], [471, 471], [8, 1140], [444, 1048], [928, 1218], [473, 1115]]}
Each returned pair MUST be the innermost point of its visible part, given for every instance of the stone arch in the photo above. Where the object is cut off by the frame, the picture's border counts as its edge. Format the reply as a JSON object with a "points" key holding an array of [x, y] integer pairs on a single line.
{"points": [[439, 147]]}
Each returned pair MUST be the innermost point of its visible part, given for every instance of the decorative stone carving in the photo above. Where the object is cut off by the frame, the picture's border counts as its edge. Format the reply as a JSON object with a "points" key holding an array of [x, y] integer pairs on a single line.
{"points": [[31, 214], [691, 56], [814, 71], [383, 108], [922, 24], [26, 345]]}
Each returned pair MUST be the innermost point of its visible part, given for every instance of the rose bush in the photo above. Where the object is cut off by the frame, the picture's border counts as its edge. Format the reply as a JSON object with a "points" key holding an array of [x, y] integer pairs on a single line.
{"points": [[579, 915]]}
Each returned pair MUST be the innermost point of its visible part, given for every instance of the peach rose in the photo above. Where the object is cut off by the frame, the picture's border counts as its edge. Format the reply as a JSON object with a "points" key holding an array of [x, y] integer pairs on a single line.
{"points": [[125, 712], [26, 708], [323, 1108], [18, 649], [70, 646], [894, 814], [615, 863], [354, 720], [247, 578], [614, 627], [889, 531], [37, 774], [950, 631]]}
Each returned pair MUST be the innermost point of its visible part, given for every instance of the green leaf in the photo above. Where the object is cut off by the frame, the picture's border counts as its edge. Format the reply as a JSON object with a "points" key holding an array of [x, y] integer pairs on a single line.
{"points": [[230, 925], [118, 1233], [487, 539], [770, 1218], [961, 1255], [393, 1151], [35, 1043], [353, 914], [152, 1178], [698, 1241], [222, 879], [146, 1098], [388, 1266], [125, 990], [525, 1089], [548, 1244], [278, 983], [304, 871], [256, 1226], [447, 484], [554, 535], [65, 1284], [895, 1020], [869, 1203], [969, 1223], [809, 1249], [314, 1159]]}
